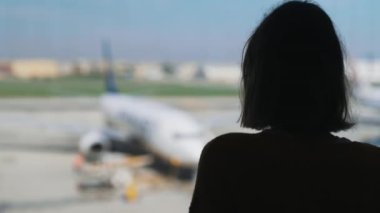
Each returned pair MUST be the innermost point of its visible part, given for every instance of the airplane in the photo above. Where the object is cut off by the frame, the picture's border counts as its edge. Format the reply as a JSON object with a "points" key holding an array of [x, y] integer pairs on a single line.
{"points": [[366, 99], [139, 126], [366, 90], [368, 95]]}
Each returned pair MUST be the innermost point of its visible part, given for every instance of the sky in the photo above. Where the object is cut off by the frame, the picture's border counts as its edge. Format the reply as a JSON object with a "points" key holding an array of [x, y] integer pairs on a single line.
{"points": [[162, 30]]}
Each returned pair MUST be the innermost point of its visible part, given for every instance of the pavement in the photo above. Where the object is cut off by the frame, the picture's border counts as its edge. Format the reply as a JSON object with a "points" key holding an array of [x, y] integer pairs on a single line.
{"points": [[38, 140]]}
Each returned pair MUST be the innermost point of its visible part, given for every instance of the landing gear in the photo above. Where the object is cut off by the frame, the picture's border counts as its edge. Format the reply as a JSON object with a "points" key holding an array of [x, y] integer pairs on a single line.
{"points": [[179, 172], [185, 174]]}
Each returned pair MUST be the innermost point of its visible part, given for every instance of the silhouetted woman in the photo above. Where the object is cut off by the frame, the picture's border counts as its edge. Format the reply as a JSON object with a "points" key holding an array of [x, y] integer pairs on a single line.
{"points": [[294, 90]]}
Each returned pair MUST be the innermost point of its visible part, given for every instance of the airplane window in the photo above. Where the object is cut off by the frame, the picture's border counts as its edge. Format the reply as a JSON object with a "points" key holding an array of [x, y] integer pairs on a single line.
{"points": [[187, 135]]}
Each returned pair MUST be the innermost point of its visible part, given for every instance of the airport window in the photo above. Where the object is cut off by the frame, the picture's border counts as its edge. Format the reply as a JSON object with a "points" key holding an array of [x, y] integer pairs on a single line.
{"points": [[71, 70]]}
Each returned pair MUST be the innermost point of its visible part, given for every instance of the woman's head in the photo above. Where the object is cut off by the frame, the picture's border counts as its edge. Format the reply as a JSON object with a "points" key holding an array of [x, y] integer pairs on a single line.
{"points": [[293, 72]]}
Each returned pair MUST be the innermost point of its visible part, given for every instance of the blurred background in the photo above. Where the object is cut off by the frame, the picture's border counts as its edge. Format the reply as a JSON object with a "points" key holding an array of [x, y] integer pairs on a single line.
{"points": [[181, 58]]}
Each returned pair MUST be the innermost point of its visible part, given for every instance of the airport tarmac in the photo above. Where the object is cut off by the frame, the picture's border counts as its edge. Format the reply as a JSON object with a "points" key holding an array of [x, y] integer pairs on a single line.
{"points": [[38, 141]]}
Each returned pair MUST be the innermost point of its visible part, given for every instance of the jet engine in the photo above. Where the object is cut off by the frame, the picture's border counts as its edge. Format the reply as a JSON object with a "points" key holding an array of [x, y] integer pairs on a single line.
{"points": [[93, 144]]}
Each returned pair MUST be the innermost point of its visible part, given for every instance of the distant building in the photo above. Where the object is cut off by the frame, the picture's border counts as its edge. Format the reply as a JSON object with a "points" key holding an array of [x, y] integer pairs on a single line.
{"points": [[200, 74], [222, 73], [34, 69], [66, 68], [83, 67], [5, 69], [148, 71], [186, 71]]}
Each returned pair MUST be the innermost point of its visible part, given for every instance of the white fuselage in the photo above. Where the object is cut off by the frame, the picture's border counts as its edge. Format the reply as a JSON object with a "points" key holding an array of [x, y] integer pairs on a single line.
{"points": [[165, 131], [368, 96]]}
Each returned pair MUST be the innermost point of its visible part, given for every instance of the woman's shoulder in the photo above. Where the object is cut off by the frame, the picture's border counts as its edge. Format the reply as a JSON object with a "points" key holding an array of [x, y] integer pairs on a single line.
{"points": [[230, 142], [367, 151], [241, 142], [232, 137], [356, 144], [215, 152]]}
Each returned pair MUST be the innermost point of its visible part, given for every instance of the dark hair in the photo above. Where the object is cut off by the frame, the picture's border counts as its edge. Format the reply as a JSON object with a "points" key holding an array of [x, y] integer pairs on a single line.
{"points": [[293, 72]]}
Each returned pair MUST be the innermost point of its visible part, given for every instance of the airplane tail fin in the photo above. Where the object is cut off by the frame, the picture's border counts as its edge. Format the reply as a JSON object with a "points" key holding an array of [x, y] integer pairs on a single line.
{"points": [[109, 77]]}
